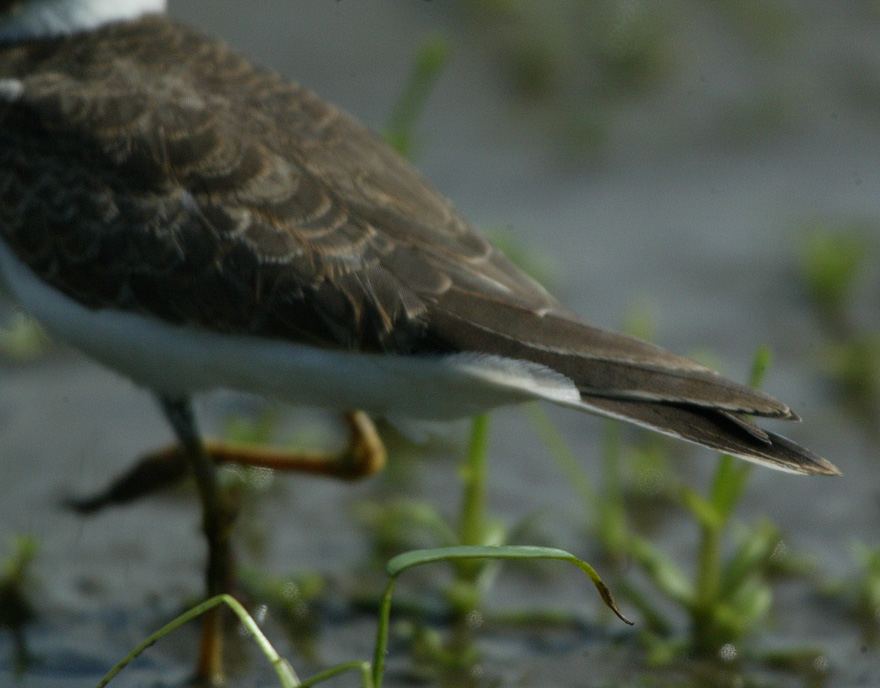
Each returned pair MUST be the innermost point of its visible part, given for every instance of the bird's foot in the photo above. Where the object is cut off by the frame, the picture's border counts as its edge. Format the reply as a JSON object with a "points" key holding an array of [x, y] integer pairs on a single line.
{"points": [[154, 472], [364, 456]]}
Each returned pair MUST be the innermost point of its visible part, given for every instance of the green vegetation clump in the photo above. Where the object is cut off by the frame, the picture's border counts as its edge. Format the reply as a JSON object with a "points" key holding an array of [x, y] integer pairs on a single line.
{"points": [[834, 259], [728, 595]]}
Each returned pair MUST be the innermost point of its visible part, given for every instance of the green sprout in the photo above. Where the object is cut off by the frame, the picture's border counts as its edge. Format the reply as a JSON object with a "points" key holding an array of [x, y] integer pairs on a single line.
{"points": [[533, 64], [400, 524], [632, 47], [728, 596], [293, 601], [371, 672], [866, 602], [832, 260]]}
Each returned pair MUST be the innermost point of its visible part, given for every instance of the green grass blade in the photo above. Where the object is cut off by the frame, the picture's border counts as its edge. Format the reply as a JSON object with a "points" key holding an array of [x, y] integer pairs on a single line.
{"points": [[418, 557], [705, 513], [407, 560], [381, 648], [429, 62], [363, 667], [285, 672], [728, 485]]}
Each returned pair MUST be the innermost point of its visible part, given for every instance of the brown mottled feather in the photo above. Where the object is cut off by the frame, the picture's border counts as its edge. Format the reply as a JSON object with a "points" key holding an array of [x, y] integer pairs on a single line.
{"points": [[148, 168]]}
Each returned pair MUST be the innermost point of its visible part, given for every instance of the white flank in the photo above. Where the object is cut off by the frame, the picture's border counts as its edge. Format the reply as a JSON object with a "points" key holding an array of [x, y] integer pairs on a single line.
{"points": [[183, 360], [43, 18]]}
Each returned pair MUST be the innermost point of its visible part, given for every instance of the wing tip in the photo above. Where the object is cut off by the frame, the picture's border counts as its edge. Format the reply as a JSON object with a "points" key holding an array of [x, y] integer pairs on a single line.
{"points": [[790, 456], [717, 429], [820, 466]]}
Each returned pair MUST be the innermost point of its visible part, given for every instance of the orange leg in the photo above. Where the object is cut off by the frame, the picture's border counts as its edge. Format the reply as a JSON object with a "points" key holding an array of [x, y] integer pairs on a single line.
{"points": [[364, 456]]}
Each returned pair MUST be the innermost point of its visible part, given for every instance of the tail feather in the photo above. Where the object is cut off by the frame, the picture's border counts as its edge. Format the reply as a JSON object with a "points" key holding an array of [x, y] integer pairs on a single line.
{"points": [[717, 430], [599, 362], [749, 426], [626, 378]]}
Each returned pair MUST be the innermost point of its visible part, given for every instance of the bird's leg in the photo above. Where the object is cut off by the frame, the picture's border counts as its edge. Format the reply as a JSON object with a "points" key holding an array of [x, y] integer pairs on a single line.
{"points": [[364, 456], [217, 520]]}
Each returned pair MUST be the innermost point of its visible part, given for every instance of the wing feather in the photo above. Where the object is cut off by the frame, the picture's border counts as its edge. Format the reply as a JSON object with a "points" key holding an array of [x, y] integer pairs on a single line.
{"points": [[715, 430]]}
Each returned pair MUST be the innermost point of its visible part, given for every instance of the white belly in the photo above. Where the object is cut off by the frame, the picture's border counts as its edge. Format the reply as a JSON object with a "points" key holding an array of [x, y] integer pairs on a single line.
{"points": [[183, 360]]}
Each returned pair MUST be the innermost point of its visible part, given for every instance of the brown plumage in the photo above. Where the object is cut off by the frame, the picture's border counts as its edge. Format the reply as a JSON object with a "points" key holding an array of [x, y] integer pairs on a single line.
{"points": [[147, 168]]}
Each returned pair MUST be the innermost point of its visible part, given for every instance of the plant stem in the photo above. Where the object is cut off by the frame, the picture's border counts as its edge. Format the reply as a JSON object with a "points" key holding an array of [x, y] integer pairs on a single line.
{"points": [[732, 476], [381, 648], [472, 525], [708, 584]]}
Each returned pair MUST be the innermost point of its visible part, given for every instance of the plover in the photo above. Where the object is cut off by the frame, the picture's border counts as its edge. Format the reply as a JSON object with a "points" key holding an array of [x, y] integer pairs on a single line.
{"points": [[194, 221]]}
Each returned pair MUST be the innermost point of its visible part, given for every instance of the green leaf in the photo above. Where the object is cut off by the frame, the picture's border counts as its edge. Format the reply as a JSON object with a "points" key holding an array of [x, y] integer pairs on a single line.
{"points": [[404, 520], [285, 672], [559, 449], [750, 604], [703, 511], [750, 557], [663, 572], [472, 520], [407, 560]]}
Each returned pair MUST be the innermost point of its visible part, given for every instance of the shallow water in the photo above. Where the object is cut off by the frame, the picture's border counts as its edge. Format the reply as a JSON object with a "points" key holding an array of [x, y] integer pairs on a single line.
{"points": [[701, 228]]}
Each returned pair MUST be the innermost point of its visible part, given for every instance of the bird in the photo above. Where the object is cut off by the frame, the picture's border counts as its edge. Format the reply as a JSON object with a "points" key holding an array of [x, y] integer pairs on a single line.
{"points": [[194, 221]]}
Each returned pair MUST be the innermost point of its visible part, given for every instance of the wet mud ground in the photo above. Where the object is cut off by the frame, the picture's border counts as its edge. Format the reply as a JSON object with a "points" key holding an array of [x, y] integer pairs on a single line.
{"points": [[673, 214]]}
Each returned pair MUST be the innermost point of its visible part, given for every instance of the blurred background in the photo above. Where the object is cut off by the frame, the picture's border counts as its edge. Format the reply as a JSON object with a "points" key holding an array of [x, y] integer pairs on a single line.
{"points": [[700, 173]]}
